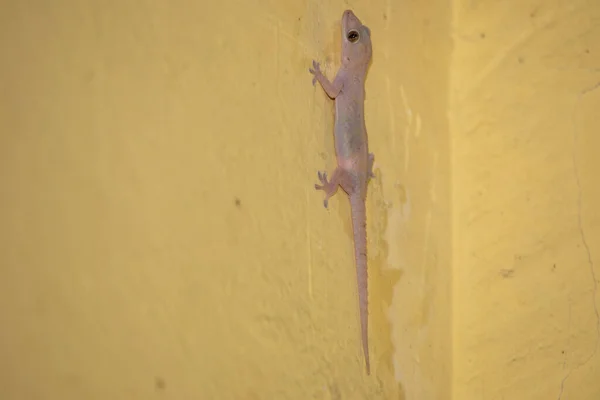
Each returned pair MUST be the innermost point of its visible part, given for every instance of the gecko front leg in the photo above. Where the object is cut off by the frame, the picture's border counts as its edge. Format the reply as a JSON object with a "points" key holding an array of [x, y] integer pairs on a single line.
{"points": [[331, 88]]}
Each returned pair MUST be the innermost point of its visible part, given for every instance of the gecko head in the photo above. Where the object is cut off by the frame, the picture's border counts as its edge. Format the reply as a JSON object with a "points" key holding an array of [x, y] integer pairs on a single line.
{"points": [[356, 40]]}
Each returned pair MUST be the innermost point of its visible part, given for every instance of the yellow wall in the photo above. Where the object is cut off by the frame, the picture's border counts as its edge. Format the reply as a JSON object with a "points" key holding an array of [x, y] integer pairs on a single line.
{"points": [[161, 237], [526, 233]]}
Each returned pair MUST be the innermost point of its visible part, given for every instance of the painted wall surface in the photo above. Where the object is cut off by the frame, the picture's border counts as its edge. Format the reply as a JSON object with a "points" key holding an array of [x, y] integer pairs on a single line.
{"points": [[161, 235], [525, 94], [415, 176]]}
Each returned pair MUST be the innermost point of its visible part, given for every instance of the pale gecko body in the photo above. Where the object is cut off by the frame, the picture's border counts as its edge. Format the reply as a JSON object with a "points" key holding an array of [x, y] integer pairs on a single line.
{"points": [[354, 162]]}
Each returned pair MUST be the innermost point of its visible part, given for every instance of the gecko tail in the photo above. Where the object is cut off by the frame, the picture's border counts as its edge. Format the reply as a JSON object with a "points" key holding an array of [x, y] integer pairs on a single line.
{"points": [[359, 228]]}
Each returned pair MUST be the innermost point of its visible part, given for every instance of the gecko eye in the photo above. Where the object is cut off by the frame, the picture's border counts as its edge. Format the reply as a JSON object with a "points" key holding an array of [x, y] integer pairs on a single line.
{"points": [[353, 36]]}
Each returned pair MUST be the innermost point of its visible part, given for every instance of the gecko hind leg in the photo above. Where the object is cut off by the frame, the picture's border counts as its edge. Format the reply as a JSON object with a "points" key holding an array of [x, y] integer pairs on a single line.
{"points": [[330, 187], [370, 165]]}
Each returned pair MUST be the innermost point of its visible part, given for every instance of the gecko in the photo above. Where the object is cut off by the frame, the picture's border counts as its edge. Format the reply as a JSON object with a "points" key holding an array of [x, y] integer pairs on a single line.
{"points": [[354, 162]]}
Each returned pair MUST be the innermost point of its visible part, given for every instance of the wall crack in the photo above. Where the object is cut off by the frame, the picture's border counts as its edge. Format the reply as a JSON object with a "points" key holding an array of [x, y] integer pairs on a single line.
{"points": [[584, 241]]}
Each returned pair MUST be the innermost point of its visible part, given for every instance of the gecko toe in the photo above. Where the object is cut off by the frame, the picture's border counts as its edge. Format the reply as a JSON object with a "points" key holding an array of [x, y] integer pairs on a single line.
{"points": [[316, 71], [323, 177]]}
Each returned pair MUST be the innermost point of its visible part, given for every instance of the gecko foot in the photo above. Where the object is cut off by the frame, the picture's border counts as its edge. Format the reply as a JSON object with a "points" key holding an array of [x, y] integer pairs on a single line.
{"points": [[316, 71], [329, 187]]}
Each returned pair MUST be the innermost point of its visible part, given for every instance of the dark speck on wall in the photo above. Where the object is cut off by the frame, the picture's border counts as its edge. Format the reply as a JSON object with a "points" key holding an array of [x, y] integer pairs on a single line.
{"points": [[482, 35], [159, 383], [507, 273], [238, 202]]}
